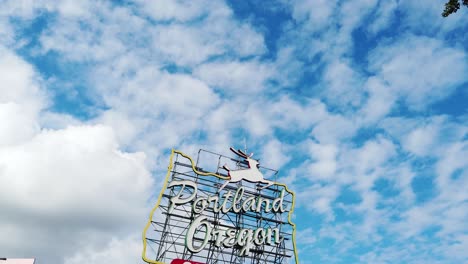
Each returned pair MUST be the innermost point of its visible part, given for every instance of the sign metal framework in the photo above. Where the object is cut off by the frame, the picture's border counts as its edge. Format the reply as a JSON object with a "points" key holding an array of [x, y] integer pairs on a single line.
{"points": [[205, 215]]}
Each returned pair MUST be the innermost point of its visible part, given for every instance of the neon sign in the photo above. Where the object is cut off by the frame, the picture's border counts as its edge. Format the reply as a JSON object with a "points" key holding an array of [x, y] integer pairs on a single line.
{"points": [[201, 209], [244, 238]]}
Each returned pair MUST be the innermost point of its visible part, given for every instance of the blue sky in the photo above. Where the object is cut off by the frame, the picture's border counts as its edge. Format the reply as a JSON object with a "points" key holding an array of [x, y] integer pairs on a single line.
{"points": [[361, 105]]}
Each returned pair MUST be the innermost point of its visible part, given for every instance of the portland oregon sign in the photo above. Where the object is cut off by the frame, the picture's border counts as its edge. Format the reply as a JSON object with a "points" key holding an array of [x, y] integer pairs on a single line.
{"points": [[220, 209]]}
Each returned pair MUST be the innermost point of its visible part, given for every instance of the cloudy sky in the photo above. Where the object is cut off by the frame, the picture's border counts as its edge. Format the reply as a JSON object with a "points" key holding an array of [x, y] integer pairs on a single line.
{"points": [[361, 105]]}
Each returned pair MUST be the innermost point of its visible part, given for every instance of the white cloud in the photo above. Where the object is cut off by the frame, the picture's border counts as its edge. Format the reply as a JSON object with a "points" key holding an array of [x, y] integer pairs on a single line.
{"points": [[330, 22], [373, 154], [261, 117], [19, 124], [105, 32], [119, 251], [19, 8], [99, 34], [315, 12], [19, 80], [288, 67], [428, 137], [334, 128], [384, 15], [6, 31], [276, 154], [324, 157], [71, 184], [349, 23], [70, 8], [161, 71], [318, 198], [75, 180], [343, 85], [379, 103], [362, 166], [131, 54], [237, 77], [21, 98], [428, 18], [166, 10], [400, 65], [307, 237], [187, 45], [147, 107], [420, 141], [291, 115], [452, 159], [184, 45]]}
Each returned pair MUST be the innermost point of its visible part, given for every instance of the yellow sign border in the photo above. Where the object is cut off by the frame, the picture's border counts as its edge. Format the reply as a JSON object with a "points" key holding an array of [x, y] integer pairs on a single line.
{"points": [[169, 169]]}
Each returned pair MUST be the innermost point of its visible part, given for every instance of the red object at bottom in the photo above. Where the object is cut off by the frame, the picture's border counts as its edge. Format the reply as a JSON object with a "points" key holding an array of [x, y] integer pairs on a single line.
{"points": [[181, 261]]}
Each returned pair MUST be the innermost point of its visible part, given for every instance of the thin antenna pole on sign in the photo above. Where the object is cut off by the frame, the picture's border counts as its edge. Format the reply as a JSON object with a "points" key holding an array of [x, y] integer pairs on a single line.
{"points": [[245, 145]]}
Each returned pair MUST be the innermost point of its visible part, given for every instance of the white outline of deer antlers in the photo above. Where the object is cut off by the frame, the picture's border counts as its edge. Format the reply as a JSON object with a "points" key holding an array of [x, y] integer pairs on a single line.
{"points": [[251, 174]]}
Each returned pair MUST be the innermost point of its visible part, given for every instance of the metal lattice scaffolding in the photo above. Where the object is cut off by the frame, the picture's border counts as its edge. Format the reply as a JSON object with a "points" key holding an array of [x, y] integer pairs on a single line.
{"points": [[167, 239]]}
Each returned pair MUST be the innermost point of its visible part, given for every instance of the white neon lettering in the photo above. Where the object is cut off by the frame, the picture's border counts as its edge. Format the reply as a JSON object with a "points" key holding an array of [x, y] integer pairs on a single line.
{"points": [[226, 196], [215, 200], [198, 222], [245, 242], [249, 204], [260, 201], [230, 241], [204, 205], [259, 237], [178, 200], [219, 234], [236, 202], [277, 239], [277, 205]]}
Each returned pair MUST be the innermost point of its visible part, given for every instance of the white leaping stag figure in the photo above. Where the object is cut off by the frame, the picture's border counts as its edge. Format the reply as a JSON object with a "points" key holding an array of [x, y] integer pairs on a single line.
{"points": [[252, 174]]}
